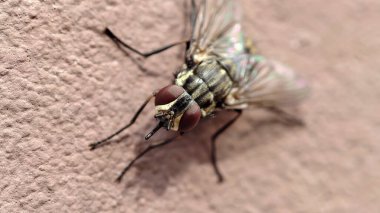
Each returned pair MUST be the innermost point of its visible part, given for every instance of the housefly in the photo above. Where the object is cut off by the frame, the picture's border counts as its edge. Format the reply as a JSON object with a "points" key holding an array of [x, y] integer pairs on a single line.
{"points": [[221, 71]]}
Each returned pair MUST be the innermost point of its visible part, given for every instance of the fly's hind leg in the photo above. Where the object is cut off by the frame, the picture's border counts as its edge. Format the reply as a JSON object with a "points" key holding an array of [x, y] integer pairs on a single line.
{"points": [[287, 117], [131, 122], [120, 43], [213, 145]]}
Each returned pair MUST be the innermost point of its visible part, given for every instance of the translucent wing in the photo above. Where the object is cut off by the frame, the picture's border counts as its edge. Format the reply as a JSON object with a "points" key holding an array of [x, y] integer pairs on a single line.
{"points": [[216, 31], [265, 83]]}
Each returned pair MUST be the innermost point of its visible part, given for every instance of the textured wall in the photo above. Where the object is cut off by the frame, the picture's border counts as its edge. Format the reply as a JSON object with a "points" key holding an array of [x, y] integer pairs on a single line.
{"points": [[63, 85]]}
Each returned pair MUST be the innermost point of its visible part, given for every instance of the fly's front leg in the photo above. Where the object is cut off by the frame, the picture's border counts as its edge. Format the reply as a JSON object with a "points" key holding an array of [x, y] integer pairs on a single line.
{"points": [[119, 42], [213, 145], [145, 151], [131, 122]]}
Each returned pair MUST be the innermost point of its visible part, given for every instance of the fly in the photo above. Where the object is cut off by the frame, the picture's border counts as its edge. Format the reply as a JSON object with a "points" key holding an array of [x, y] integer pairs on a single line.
{"points": [[221, 71]]}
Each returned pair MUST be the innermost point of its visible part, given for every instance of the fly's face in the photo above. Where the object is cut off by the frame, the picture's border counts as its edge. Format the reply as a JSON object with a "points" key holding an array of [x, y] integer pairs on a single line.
{"points": [[176, 110]]}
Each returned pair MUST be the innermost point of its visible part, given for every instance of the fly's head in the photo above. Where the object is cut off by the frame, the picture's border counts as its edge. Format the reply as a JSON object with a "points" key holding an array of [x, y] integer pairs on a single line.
{"points": [[175, 110]]}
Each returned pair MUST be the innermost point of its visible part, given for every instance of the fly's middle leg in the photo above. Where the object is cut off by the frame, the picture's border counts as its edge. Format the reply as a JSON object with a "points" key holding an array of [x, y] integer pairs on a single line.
{"points": [[119, 42], [213, 145]]}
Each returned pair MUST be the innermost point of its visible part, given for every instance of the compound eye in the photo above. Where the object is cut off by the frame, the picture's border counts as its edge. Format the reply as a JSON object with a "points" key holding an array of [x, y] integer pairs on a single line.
{"points": [[168, 94], [190, 118]]}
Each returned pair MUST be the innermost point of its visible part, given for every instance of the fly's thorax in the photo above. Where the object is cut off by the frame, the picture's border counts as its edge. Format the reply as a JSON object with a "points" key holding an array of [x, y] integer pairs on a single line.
{"points": [[208, 83], [176, 109]]}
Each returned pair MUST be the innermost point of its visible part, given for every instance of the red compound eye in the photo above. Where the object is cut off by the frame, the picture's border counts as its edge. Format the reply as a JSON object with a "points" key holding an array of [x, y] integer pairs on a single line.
{"points": [[168, 94], [190, 118]]}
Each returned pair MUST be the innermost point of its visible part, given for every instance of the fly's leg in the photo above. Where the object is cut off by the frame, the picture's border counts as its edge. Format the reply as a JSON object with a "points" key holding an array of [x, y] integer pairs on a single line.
{"points": [[131, 122], [287, 117], [213, 145], [145, 151], [118, 42]]}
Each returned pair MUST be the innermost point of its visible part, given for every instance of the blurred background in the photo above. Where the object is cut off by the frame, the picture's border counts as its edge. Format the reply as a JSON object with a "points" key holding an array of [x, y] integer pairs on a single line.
{"points": [[64, 84]]}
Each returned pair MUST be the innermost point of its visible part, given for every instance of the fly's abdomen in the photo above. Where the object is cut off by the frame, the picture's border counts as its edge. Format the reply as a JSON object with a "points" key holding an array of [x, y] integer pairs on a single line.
{"points": [[208, 84]]}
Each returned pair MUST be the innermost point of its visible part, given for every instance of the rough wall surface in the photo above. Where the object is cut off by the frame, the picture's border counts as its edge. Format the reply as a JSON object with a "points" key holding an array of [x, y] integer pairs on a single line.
{"points": [[64, 84]]}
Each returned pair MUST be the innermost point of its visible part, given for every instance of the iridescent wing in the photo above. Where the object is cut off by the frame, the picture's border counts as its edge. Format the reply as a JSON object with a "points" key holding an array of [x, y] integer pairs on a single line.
{"points": [[216, 31], [265, 83]]}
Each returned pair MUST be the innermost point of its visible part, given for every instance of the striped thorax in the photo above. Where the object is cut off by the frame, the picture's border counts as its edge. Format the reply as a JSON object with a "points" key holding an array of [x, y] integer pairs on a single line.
{"points": [[208, 83]]}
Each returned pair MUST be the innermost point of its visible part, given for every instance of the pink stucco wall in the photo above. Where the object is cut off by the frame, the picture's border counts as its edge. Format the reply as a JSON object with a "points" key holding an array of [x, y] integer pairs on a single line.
{"points": [[63, 85]]}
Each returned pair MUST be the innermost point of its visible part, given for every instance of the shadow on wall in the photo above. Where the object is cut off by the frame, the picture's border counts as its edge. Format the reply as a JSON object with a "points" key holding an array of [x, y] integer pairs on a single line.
{"points": [[157, 169]]}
